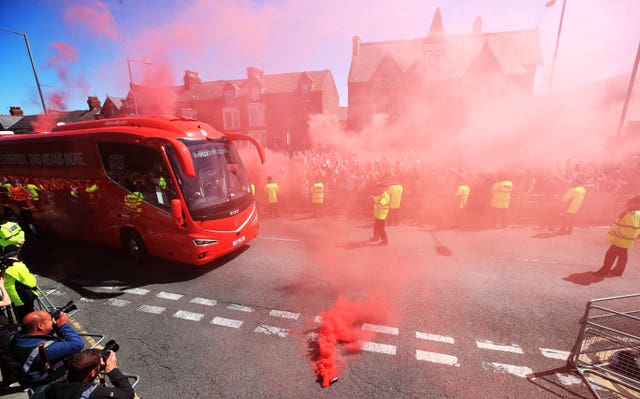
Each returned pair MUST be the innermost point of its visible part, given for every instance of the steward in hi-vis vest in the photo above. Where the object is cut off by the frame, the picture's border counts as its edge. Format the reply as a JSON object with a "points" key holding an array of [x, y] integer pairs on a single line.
{"points": [[317, 198], [571, 203], [380, 212], [621, 235], [271, 189], [500, 199]]}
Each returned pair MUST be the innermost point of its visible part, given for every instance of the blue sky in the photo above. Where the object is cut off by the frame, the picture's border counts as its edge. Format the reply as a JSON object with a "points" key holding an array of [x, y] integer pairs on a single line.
{"points": [[90, 41]]}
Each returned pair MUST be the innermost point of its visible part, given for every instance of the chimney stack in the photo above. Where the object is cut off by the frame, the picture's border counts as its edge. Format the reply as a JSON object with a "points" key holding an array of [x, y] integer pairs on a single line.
{"points": [[254, 73], [16, 111], [477, 26], [93, 102], [356, 46], [190, 77]]}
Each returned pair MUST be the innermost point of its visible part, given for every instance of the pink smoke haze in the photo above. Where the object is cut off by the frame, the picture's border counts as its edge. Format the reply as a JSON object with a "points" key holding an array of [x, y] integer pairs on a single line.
{"points": [[94, 18]]}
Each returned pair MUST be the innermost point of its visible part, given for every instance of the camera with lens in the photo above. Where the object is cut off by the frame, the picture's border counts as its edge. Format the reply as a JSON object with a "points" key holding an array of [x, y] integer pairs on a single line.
{"points": [[68, 308], [109, 346]]}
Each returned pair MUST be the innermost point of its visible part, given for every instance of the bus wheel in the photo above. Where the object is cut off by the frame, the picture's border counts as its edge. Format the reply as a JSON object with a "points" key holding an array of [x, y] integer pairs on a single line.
{"points": [[132, 244]]}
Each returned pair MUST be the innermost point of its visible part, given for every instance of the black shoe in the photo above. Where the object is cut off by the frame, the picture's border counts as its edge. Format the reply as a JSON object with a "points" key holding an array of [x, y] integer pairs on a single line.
{"points": [[383, 243], [600, 273]]}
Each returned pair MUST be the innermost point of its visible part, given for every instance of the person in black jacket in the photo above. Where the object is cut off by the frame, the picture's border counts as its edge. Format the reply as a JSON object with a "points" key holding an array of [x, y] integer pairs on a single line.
{"points": [[82, 369]]}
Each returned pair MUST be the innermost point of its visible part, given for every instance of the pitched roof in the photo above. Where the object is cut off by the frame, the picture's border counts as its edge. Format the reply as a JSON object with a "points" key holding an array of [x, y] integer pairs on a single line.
{"points": [[272, 84], [515, 51]]}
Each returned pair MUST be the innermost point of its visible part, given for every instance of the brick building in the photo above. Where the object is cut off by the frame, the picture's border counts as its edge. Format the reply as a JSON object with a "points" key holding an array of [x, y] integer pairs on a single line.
{"points": [[443, 75]]}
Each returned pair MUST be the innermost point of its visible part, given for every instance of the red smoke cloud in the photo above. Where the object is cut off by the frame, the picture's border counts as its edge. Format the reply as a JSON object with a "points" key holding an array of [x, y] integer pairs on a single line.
{"points": [[341, 328], [96, 20]]}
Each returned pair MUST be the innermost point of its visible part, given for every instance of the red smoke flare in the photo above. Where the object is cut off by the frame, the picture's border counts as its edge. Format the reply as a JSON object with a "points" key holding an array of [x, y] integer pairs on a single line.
{"points": [[341, 326], [95, 19]]}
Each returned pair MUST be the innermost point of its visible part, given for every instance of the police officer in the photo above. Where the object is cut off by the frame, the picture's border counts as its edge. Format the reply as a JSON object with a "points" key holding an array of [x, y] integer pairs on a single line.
{"points": [[11, 234], [572, 201], [20, 285], [271, 189], [380, 212], [621, 235]]}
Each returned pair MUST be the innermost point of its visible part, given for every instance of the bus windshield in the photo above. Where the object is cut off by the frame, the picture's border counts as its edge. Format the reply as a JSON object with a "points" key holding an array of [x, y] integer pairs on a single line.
{"points": [[221, 186]]}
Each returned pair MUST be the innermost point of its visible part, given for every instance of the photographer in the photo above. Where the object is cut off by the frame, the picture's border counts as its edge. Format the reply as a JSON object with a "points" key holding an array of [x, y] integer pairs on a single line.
{"points": [[42, 345], [83, 368]]}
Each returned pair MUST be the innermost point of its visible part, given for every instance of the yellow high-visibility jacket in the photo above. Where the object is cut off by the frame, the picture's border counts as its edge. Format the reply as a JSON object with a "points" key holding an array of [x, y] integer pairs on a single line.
{"points": [[501, 194], [462, 195], [11, 234], [624, 229], [18, 272], [395, 193], [272, 192], [576, 196], [381, 205], [317, 193]]}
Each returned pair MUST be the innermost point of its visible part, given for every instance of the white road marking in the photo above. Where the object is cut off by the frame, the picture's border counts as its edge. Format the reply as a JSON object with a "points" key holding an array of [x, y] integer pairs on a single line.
{"points": [[380, 348], [240, 308], [381, 329], [554, 354], [87, 300], [285, 315], [221, 321], [181, 314], [137, 291], [277, 238], [151, 309], [118, 302], [317, 319], [513, 348], [520, 371], [169, 295], [437, 358], [204, 301], [569, 379], [54, 292], [105, 288], [435, 337], [269, 330]]}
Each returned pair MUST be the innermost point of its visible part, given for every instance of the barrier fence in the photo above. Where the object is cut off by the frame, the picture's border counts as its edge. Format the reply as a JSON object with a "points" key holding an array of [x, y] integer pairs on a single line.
{"points": [[597, 209]]}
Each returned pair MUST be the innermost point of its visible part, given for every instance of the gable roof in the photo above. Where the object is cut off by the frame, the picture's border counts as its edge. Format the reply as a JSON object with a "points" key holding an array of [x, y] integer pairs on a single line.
{"points": [[271, 84], [516, 52]]}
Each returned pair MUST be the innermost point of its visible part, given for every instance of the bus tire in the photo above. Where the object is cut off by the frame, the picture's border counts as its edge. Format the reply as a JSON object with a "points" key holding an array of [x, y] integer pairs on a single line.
{"points": [[133, 244]]}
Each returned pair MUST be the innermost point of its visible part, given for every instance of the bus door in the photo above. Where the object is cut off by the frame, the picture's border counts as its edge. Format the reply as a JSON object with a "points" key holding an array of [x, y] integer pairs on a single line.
{"points": [[145, 189]]}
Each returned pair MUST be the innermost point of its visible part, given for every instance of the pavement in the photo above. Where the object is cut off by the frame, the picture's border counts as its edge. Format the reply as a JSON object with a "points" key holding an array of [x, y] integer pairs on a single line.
{"points": [[13, 393]]}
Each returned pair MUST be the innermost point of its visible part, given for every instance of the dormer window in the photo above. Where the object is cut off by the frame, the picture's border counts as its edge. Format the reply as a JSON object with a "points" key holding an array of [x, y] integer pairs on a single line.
{"points": [[229, 94], [305, 87], [255, 93]]}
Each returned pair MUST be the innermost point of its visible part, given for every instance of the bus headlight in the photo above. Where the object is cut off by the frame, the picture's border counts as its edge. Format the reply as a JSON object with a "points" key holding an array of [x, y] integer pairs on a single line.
{"points": [[204, 242]]}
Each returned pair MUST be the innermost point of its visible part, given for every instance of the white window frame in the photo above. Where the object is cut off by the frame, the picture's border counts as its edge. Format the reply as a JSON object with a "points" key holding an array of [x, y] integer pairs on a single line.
{"points": [[231, 118], [256, 113]]}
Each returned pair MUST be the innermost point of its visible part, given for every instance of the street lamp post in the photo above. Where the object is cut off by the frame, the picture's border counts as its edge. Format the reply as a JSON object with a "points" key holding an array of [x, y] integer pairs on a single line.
{"points": [[550, 3], [133, 92], [33, 66]]}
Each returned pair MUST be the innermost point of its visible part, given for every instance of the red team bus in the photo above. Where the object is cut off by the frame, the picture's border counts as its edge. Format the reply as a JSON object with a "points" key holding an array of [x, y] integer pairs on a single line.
{"points": [[166, 186]]}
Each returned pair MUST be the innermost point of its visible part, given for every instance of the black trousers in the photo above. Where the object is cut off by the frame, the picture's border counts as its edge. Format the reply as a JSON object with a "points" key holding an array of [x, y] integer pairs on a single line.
{"points": [[612, 254], [378, 231]]}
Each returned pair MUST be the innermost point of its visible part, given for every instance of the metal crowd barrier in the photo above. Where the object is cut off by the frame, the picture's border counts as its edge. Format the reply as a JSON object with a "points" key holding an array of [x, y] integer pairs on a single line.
{"points": [[607, 349]]}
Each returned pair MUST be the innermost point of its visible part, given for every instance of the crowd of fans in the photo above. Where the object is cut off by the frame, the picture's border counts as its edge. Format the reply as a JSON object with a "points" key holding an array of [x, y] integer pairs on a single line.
{"points": [[346, 173]]}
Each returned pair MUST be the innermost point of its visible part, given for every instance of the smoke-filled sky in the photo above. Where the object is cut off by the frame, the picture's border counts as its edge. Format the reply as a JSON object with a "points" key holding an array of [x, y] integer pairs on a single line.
{"points": [[80, 48]]}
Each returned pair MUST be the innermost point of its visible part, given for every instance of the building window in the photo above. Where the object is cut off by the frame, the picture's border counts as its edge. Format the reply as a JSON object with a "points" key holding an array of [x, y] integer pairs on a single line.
{"points": [[386, 82], [256, 115], [255, 93], [231, 118], [229, 95]]}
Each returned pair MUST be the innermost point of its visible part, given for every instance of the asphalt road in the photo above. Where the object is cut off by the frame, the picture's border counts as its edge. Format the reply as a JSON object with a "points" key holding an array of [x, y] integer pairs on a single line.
{"points": [[474, 313]]}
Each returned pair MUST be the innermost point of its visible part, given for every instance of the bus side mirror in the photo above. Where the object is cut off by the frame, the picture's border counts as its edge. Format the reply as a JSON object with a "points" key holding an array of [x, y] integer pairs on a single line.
{"points": [[176, 212]]}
